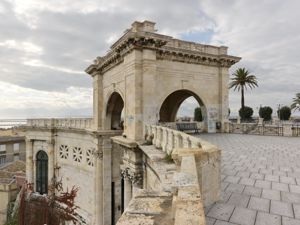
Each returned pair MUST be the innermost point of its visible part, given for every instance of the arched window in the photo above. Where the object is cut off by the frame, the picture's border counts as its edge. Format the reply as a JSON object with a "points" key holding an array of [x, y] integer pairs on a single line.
{"points": [[114, 110], [42, 172]]}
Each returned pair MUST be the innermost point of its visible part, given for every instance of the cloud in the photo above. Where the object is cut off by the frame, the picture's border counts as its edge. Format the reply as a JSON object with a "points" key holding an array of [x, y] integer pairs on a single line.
{"points": [[22, 102], [46, 45], [266, 35]]}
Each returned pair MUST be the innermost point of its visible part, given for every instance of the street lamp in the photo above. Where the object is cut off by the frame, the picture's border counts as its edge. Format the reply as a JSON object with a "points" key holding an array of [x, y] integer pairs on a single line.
{"points": [[279, 111]]}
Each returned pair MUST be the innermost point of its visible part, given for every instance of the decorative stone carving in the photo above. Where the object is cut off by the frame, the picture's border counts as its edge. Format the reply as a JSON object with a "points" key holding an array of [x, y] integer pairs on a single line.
{"points": [[63, 152], [90, 157], [97, 153], [77, 154], [134, 177]]}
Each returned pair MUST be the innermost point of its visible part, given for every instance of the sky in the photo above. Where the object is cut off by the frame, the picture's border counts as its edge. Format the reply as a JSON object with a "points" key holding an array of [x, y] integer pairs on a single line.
{"points": [[46, 45]]}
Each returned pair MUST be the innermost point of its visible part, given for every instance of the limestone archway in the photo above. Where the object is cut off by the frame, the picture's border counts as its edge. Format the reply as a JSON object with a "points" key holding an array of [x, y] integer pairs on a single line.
{"points": [[172, 102], [114, 108]]}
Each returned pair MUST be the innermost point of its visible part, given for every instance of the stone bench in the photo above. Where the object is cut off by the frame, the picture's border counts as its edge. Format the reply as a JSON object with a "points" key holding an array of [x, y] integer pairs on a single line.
{"points": [[187, 127]]}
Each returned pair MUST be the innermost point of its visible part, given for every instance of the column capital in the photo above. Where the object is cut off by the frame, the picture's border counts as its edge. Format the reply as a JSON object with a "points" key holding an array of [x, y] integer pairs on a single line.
{"points": [[135, 177]]}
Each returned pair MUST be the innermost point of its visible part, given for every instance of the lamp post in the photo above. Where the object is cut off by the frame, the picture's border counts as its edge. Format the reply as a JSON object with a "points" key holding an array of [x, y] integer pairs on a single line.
{"points": [[279, 112]]}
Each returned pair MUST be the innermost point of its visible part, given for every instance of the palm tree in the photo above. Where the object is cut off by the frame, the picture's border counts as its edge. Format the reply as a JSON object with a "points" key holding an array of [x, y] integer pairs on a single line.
{"points": [[241, 79], [296, 102]]}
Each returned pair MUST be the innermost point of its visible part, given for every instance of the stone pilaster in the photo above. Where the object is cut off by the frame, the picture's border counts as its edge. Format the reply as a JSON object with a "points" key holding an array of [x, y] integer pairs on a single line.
{"points": [[98, 154], [127, 191], [223, 96], [98, 101], [106, 174], [134, 97], [29, 160], [51, 160]]}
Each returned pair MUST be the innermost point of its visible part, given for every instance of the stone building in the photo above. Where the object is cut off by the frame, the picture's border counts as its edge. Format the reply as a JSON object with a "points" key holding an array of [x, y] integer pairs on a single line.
{"points": [[143, 78], [12, 148]]}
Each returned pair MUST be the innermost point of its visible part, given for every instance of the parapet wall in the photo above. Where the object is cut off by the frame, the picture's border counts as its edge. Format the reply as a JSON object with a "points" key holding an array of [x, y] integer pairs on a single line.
{"points": [[182, 188]]}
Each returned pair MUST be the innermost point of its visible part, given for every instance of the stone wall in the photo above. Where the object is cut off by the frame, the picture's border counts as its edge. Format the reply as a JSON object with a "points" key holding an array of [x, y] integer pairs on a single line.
{"points": [[73, 156], [174, 192], [8, 193]]}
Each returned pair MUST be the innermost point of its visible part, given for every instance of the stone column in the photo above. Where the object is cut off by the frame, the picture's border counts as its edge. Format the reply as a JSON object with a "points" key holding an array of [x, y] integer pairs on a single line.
{"points": [[51, 161], [106, 174], [29, 160], [127, 191], [223, 95], [98, 154], [97, 101]]}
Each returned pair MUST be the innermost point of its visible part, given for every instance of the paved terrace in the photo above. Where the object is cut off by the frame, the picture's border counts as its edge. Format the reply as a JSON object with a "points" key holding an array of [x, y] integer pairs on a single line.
{"points": [[260, 180]]}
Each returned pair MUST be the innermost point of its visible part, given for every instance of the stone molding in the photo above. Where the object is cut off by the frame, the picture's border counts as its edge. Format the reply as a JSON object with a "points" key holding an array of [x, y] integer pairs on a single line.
{"points": [[166, 47]]}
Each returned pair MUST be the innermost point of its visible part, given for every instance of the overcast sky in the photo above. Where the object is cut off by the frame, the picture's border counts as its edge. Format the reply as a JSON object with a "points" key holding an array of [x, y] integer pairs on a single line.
{"points": [[45, 45]]}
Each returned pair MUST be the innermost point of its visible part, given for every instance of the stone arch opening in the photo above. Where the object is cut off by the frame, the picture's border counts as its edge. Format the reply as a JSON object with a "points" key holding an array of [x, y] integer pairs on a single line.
{"points": [[114, 112], [42, 172], [172, 103]]}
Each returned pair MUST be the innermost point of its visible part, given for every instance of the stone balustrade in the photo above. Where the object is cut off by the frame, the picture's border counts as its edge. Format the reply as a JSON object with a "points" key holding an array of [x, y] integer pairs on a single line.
{"points": [[187, 199], [276, 129], [167, 139], [79, 123]]}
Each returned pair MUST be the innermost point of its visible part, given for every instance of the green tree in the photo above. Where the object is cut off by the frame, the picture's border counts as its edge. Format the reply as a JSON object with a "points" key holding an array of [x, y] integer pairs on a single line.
{"points": [[284, 113], [296, 102], [265, 113], [246, 113], [241, 80], [198, 114]]}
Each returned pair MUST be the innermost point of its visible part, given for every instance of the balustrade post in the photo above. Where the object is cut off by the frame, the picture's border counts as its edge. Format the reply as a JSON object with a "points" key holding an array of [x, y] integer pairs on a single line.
{"points": [[158, 138], [170, 142], [153, 129], [164, 139]]}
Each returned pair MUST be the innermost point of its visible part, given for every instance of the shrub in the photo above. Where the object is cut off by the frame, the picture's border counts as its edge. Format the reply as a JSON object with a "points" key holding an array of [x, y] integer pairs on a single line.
{"points": [[284, 113], [246, 114], [168, 157], [265, 113], [198, 114]]}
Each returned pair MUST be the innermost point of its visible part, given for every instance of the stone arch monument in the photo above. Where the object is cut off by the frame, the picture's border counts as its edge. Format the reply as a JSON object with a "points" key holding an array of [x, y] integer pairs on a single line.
{"points": [[146, 68], [140, 82]]}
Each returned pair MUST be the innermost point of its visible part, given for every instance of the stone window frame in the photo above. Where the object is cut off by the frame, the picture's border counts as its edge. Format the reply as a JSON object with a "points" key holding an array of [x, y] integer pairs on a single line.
{"points": [[90, 156], [64, 151], [77, 154]]}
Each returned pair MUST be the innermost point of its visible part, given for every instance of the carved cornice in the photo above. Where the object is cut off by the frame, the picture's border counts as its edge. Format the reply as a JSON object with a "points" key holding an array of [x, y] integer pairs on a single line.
{"points": [[166, 50], [193, 57], [117, 54]]}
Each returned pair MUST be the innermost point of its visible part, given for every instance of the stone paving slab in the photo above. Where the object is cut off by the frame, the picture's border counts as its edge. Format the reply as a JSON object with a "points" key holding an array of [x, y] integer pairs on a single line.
{"points": [[260, 180]]}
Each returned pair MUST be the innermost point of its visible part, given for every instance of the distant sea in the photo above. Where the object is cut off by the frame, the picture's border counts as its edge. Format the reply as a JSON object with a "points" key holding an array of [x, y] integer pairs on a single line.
{"points": [[9, 123]]}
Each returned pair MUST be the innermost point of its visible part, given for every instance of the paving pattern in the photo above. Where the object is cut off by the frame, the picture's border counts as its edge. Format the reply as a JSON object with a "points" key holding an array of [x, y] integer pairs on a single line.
{"points": [[260, 180]]}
